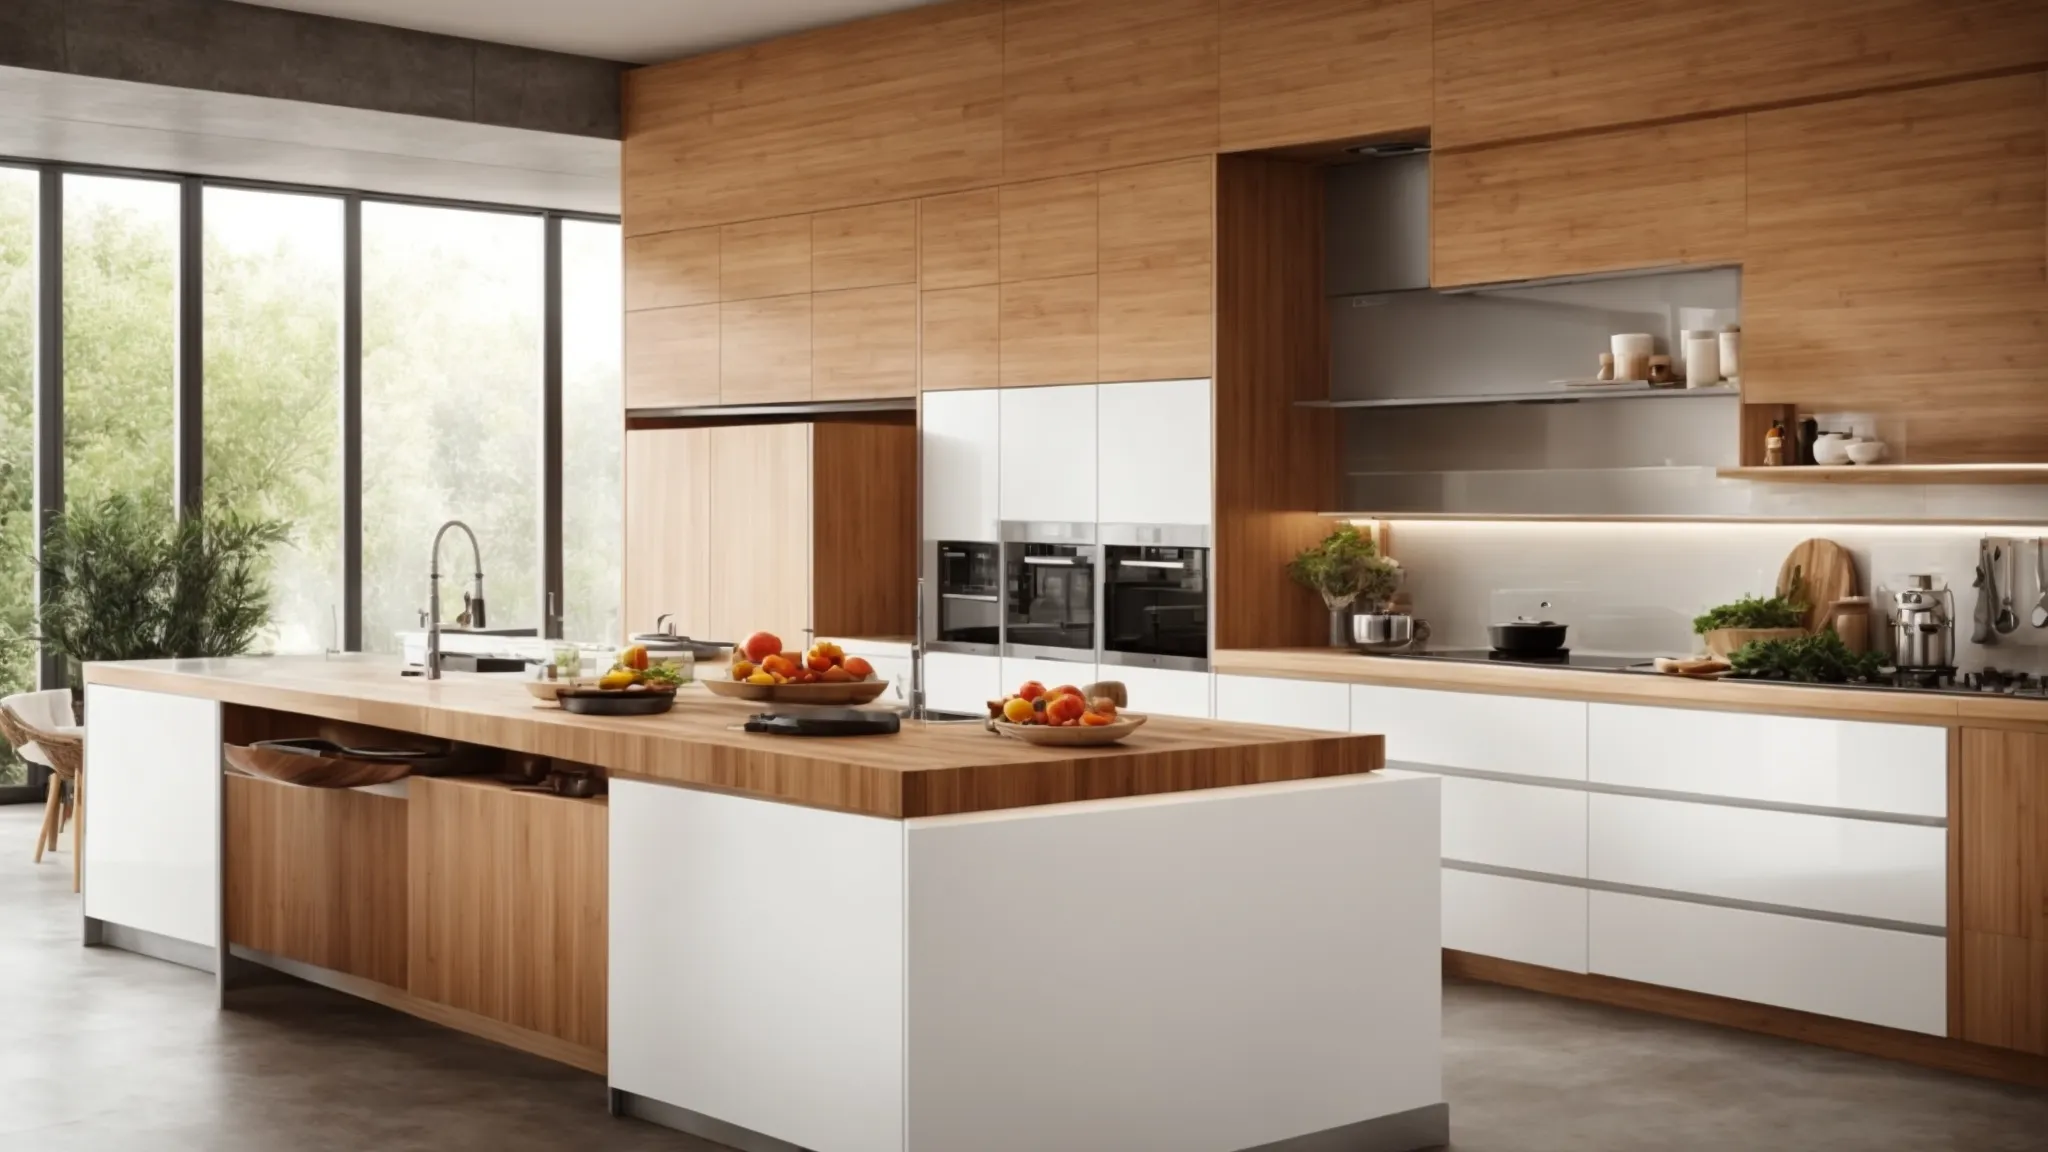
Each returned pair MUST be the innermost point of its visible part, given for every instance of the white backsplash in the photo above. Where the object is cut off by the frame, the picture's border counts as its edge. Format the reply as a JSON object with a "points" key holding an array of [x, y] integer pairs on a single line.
{"points": [[1634, 588]]}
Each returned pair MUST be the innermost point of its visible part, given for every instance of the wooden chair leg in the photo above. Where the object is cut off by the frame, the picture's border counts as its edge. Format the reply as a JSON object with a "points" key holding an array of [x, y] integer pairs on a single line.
{"points": [[46, 836]]}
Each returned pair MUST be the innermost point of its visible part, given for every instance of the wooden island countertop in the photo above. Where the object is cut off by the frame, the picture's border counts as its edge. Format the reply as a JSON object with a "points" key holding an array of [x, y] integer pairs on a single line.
{"points": [[928, 769]]}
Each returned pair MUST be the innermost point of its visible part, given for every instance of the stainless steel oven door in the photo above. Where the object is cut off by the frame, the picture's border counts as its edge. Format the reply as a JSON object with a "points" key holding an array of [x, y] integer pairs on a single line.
{"points": [[1156, 596], [1049, 597]]}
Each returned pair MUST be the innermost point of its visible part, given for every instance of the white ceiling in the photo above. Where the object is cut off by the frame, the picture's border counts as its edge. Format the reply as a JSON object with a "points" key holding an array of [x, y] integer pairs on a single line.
{"points": [[119, 123], [635, 31]]}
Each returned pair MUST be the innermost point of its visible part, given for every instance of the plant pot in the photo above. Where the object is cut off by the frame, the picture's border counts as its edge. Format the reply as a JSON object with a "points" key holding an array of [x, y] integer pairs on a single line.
{"points": [[1724, 642], [1340, 627]]}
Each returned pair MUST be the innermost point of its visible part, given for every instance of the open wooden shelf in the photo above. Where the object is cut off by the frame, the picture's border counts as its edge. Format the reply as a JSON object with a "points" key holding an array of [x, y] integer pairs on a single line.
{"points": [[1894, 474]]}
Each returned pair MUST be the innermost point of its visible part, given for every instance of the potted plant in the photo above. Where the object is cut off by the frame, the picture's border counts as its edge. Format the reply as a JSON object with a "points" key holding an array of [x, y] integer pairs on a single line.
{"points": [[1345, 569], [125, 579]]}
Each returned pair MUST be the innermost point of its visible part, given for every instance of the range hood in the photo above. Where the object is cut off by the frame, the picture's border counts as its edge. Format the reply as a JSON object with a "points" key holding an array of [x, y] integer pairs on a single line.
{"points": [[1376, 225]]}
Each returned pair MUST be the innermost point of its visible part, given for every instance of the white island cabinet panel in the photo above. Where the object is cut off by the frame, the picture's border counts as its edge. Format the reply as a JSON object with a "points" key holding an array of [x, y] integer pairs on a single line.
{"points": [[1514, 919], [1202, 972], [959, 446], [1047, 466], [756, 971], [1163, 691], [1523, 826], [1817, 863], [1152, 457], [1514, 734], [1892, 768], [1284, 703], [961, 682], [152, 791], [1896, 979]]}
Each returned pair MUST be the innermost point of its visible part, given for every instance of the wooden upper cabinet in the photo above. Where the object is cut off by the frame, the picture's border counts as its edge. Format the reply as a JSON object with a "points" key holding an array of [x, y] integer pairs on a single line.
{"points": [[1898, 262], [764, 258], [668, 528], [864, 343], [1048, 331], [1306, 71], [1639, 198], [958, 239], [760, 568], [1507, 69], [1048, 228], [864, 247], [764, 350], [895, 107], [1089, 85], [959, 338], [672, 357], [1155, 292], [672, 269]]}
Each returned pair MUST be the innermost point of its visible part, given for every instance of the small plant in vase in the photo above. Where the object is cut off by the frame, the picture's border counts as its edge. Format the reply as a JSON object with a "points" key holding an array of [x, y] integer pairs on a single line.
{"points": [[1346, 569]]}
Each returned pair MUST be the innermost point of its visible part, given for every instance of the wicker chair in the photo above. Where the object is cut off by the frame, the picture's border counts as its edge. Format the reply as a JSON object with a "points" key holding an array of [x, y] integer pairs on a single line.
{"points": [[64, 753]]}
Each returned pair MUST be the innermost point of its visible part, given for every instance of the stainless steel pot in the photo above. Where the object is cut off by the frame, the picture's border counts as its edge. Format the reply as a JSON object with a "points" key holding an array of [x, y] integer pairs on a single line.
{"points": [[1923, 625], [1386, 628]]}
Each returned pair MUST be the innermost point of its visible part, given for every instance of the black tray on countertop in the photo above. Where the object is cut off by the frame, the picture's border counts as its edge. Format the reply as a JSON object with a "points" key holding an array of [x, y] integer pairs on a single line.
{"points": [[603, 702], [826, 722]]}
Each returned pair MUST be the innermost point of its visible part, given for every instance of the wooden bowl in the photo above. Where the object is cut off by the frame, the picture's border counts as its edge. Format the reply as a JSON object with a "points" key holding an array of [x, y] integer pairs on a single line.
{"points": [[314, 771], [587, 701], [857, 692], [1726, 642], [1077, 736]]}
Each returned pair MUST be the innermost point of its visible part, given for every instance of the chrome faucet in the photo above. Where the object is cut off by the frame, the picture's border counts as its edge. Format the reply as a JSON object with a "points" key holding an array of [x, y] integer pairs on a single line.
{"points": [[472, 605]]}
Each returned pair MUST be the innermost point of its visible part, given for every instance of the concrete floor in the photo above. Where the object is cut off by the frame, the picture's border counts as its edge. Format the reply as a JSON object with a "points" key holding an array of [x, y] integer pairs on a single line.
{"points": [[102, 1050]]}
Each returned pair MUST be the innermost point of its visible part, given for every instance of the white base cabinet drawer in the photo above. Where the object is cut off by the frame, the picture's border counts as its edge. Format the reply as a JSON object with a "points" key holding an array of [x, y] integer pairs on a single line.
{"points": [[1162, 691], [1895, 979], [1514, 734], [1515, 919], [1284, 703], [959, 682], [1522, 826], [1892, 768], [1822, 863]]}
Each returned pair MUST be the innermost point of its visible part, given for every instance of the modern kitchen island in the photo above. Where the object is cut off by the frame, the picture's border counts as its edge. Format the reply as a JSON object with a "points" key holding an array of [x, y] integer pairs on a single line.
{"points": [[1212, 936]]}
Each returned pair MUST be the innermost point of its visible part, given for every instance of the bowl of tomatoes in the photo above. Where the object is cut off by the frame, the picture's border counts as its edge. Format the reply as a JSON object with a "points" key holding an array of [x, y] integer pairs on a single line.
{"points": [[1063, 716]]}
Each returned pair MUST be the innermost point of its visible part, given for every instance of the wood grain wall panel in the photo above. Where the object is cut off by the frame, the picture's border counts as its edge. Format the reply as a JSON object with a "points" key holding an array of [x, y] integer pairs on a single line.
{"points": [[864, 534], [764, 350], [668, 537], [1898, 264], [672, 357], [864, 247], [864, 343], [1157, 215], [1308, 71], [1277, 464], [1156, 323], [960, 338], [958, 239], [1637, 198], [1088, 85], [761, 530], [2002, 826], [1048, 331], [1509, 69], [318, 875], [764, 258], [509, 893], [1049, 228], [672, 269], [895, 107]]}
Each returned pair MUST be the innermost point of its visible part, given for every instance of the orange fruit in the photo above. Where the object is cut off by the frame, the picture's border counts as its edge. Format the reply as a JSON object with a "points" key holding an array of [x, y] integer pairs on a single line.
{"points": [[1104, 705], [858, 668], [835, 675], [817, 661], [741, 669], [1095, 720], [1065, 690], [1018, 710], [1031, 690], [1064, 709], [761, 645], [779, 665]]}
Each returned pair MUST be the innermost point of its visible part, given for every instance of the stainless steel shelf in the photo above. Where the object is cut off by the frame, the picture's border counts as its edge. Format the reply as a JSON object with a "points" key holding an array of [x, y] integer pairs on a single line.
{"points": [[1630, 391]]}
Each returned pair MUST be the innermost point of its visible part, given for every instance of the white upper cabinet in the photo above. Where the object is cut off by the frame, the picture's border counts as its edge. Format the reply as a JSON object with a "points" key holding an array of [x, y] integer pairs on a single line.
{"points": [[1048, 454], [1153, 456], [960, 449]]}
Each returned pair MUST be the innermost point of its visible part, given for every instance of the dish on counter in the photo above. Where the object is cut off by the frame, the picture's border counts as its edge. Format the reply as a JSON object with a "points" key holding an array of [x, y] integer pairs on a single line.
{"points": [[1064, 715], [639, 700], [823, 674]]}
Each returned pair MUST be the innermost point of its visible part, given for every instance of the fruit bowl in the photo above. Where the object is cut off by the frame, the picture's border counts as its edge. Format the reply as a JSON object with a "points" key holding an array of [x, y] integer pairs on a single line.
{"points": [[1071, 736], [855, 692]]}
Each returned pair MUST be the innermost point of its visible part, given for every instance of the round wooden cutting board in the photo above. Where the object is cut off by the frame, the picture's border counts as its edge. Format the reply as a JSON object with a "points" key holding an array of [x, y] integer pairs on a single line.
{"points": [[1825, 573]]}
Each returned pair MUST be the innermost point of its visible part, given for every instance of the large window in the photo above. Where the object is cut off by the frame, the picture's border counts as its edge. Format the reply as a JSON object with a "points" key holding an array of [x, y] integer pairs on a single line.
{"points": [[451, 411], [120, 347], [272, 392], [593, 433], [17, 440]]}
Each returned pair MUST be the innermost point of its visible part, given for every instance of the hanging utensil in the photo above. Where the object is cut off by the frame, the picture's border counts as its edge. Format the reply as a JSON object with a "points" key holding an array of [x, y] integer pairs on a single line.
{"points": [[2039, 617], [2008, 619], [1987, 591]]}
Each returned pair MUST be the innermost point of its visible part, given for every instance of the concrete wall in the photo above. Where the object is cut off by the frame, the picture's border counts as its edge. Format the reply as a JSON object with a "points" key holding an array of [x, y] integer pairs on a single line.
{"points": [[218, 46]]}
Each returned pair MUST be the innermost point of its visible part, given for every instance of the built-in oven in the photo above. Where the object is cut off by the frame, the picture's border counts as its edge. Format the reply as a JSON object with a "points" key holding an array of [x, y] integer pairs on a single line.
{"points": [[970, 597], [1049, 591], [1155, 596]]}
